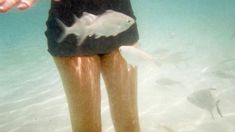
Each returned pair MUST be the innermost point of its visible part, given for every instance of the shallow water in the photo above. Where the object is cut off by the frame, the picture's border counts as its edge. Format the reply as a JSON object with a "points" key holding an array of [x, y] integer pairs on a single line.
{"points": [[193, 43]]}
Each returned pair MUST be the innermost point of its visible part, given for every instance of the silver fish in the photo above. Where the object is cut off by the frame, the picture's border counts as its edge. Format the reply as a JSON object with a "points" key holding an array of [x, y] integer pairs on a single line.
{"points": [[110, 23], [135, 55], [205, 100]]}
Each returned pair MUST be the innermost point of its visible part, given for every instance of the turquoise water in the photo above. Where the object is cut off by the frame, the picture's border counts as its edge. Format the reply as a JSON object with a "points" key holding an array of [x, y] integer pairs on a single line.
{"points": [[193, 43]]}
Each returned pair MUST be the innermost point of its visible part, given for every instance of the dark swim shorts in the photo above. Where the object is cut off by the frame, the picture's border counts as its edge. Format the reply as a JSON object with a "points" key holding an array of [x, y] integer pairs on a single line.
{"points": [[65, 11]]}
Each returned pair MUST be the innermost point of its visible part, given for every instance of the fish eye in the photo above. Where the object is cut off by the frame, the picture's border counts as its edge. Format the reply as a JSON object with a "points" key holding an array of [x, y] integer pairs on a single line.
{"points": [[129, 21]]}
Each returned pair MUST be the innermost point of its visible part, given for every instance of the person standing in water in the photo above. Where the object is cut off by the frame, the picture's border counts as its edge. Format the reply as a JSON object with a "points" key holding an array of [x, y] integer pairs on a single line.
{"points": [[80, 65]]}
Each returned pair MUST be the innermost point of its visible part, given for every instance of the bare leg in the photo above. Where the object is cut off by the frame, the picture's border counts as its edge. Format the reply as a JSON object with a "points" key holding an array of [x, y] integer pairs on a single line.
{"points": [[120, 80], [81, 80]]}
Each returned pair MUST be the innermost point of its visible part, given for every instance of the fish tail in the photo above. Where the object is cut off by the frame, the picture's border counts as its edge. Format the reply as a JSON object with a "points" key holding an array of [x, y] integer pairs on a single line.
{"points": [[218, 109], [64, 31]]}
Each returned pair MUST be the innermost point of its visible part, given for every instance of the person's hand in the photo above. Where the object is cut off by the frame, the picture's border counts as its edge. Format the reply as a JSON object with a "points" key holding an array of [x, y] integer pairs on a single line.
{"points": [[6, 5]]}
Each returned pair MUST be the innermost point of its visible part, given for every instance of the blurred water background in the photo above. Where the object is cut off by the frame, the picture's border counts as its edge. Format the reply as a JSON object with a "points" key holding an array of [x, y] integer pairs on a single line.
{"points": [[188, 88]]}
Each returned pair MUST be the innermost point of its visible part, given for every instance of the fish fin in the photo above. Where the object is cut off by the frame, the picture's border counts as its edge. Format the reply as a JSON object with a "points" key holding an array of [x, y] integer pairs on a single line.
{"points": [[75, 17], [81, 39], [218, 109], [64, 29], [97, 36]]}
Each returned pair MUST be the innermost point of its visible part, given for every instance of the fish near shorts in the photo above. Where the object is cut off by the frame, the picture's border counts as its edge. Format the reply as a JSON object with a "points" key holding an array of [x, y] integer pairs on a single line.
{"points": [[65, 11]]}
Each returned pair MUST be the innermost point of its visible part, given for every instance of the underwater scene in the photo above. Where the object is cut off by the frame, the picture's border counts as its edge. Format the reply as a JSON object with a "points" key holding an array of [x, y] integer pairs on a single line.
{"points": [[186, 69]]}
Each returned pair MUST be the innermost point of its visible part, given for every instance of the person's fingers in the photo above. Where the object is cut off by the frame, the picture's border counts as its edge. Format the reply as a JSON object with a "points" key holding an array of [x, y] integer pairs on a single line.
{"points": [[2, 1], [8, 4], [24, 4]]}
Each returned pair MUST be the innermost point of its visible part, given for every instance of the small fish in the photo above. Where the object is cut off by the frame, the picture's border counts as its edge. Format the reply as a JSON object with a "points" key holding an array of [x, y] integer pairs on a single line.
{"points": [[205, 100], [110, 23], [135, 55]]}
